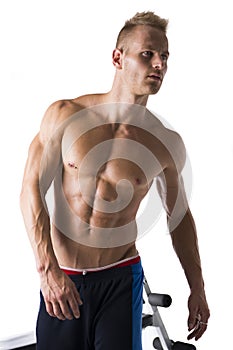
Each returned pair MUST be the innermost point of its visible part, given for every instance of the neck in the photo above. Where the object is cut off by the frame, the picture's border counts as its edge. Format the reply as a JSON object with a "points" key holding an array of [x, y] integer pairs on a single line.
{"points": [[117, 97], [121, 94]]}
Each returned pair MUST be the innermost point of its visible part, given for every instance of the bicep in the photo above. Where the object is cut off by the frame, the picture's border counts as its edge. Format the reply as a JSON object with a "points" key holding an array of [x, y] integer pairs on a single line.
{"points": [[46, 147], [171, 189], [31, 172], [30, 196], [44, 157], [42, 164]]}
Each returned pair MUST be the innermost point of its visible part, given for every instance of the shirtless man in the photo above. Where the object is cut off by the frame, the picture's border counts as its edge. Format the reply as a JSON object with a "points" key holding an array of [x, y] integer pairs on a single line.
{"points": [[104, 150]]}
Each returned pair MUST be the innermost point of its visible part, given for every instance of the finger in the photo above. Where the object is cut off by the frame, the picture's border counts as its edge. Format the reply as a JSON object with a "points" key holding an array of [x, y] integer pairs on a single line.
{"points": [[199, 334], [74, 302], [74, 307], [58, 311], [193, 325], [64, 307], [196, 334], [192, 320], [198, 331], [49, 309], [201, 329]]}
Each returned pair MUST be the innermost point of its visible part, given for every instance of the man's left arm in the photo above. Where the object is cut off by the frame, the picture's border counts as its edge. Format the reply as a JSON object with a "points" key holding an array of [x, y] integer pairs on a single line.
{"points": [[185, 242]]}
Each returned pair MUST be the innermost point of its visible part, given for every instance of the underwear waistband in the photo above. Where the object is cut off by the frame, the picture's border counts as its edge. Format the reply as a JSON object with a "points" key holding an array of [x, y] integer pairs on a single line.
{"points": [[122, 263]]}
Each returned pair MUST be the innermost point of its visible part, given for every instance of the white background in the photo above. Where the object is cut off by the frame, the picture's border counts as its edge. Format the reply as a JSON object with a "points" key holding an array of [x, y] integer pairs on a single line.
{"points": [[62, 49]]}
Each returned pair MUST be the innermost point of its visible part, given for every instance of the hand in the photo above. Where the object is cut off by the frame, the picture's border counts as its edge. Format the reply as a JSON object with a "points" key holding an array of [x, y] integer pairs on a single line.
{"points": [[60, 294], [198, 315]]}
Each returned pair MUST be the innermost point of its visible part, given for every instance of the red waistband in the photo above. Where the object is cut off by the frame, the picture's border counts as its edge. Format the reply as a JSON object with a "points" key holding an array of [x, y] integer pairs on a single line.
{"points": [[84, 271]]}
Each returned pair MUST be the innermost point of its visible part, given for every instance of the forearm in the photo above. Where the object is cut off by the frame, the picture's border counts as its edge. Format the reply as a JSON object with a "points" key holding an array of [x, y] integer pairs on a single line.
{"points": [[37, 225], [185, 243]]}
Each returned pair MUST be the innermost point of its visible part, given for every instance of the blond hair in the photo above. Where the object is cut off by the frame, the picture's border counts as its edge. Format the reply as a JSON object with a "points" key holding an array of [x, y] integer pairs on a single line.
{"points": [[141, 18]]}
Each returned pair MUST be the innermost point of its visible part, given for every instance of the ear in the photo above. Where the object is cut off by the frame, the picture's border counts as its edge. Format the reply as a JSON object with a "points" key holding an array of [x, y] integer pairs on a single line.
{"points": [[117, 58]]}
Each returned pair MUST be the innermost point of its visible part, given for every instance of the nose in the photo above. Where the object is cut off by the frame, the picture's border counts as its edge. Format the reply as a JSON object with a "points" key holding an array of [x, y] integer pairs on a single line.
{"points": [[157, 62]]}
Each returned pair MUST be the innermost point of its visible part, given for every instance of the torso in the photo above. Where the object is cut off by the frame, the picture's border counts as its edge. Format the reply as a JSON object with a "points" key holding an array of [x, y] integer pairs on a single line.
{"points": [[107, 171]]}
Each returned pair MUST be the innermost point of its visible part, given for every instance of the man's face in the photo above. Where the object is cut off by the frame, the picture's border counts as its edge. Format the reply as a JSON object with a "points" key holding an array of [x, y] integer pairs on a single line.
{"points": [[144, 60]]}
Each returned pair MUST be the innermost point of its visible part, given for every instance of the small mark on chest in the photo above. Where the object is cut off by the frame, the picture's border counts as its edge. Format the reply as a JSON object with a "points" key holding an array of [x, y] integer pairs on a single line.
{"points": [[72, 165]]}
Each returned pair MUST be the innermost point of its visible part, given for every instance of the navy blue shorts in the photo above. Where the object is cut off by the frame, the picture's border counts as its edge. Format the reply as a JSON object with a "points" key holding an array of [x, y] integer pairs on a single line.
{"points": [[110, 317]]}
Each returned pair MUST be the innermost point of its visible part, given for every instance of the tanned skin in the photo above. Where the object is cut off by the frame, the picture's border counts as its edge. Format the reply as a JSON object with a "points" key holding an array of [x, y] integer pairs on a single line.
{"points": [[139, 73]]}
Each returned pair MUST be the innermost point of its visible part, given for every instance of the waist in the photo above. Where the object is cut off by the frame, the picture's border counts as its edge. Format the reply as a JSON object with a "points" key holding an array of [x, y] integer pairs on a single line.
{"points": [[125, 262]]}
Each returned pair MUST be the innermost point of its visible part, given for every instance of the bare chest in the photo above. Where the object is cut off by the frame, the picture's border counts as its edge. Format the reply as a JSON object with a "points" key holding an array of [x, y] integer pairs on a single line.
{"points": [[113, 153]]}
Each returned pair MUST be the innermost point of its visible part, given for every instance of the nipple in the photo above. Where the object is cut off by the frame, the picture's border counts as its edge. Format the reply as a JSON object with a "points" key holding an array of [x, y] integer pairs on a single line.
{"points": [[138, 181]]}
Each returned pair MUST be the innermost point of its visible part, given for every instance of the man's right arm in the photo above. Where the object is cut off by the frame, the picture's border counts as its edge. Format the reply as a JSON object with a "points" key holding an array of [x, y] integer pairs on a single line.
{"points": [[59, 292]]}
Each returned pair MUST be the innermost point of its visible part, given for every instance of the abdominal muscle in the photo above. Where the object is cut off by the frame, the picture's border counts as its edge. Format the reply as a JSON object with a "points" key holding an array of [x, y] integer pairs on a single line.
{"points": [[78, 256], [84, 237]]}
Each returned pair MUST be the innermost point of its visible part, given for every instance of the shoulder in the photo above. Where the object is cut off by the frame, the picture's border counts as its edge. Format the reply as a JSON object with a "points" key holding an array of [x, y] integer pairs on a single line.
{"points": [[56, 114], [177, 149], [171, 140], [175, 159], [174, 144], [60, 111], [175, 140]]}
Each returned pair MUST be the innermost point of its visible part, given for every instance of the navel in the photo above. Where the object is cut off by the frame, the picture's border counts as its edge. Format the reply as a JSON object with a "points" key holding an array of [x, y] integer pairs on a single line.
{"points": [[138, 181]]}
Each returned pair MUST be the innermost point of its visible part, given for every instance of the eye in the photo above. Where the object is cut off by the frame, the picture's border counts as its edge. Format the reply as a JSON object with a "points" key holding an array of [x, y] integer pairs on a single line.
{"points": [[164, 57], [147, 54]]}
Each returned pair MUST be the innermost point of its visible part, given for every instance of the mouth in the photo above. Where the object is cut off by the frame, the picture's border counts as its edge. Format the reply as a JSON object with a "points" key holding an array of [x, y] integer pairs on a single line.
{"points": [[155, 77]]}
